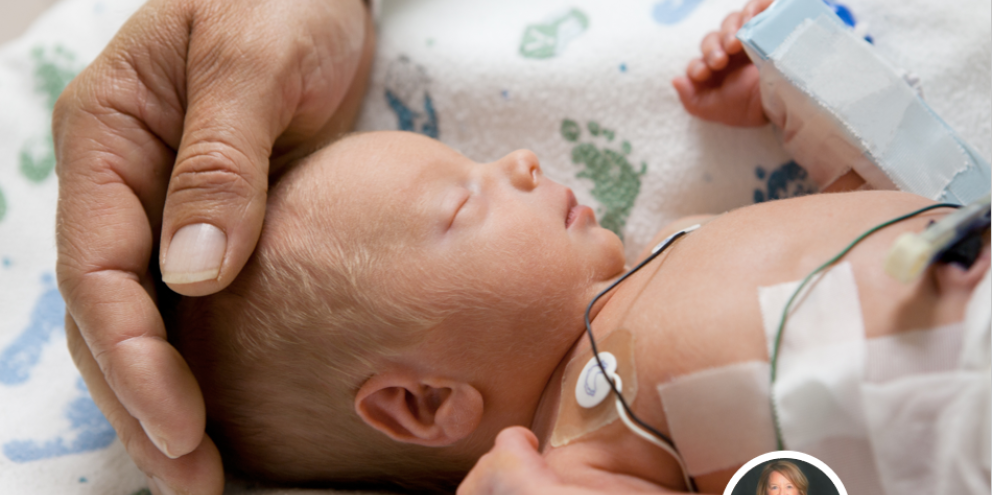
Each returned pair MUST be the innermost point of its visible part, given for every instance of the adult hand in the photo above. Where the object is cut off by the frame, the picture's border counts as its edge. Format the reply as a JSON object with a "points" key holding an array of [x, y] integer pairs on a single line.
{"points": [[512, 467], [170, 131], [515, 467], [722, 85]]}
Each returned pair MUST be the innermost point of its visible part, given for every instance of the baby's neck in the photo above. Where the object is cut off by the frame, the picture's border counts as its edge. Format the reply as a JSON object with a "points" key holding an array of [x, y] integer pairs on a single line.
{"points": [[546, 412]]}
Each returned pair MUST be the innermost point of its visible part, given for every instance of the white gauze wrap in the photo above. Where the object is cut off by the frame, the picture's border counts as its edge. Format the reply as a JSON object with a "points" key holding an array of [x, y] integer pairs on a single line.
{"points": [[907, 413]]}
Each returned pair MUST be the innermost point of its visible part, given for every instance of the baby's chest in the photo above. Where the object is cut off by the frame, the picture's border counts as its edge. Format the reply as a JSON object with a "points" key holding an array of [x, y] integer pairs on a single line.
{"points": [[701, 362]]}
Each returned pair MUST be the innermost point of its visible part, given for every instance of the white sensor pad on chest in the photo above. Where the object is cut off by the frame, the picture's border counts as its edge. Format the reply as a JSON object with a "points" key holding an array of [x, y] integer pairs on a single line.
{"points": [[586, 402], [592, 388]]}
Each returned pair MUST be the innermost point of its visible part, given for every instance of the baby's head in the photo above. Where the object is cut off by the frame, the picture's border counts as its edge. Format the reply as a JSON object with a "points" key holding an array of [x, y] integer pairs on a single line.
{"points": [[403, 305]]}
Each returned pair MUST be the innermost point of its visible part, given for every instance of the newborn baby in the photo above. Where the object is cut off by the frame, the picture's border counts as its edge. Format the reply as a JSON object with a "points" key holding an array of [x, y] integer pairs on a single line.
{"points": [[405, 304]]}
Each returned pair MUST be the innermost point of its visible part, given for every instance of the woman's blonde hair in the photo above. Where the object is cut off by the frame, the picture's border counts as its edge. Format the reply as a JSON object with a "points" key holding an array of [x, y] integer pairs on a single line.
{"points": [[787, 469]]}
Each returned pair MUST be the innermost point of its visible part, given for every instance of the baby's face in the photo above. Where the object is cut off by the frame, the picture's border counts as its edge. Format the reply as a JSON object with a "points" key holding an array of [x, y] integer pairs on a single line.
{"points": [[498, 245]]}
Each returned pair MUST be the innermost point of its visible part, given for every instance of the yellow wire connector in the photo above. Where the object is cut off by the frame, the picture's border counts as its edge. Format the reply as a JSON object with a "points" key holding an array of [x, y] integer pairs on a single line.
{"points": [[912, 253]]}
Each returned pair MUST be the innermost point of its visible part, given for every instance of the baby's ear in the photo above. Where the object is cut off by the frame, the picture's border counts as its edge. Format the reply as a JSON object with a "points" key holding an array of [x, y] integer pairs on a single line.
{"points": [[433, 412]]}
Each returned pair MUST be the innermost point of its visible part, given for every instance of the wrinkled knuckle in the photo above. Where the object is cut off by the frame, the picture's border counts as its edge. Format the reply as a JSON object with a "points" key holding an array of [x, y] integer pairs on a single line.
{"points": [[213, 175]]}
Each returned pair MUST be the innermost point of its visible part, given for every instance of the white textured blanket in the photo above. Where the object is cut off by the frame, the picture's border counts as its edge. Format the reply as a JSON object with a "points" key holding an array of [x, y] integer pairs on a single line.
{"points": [[585, 84]]}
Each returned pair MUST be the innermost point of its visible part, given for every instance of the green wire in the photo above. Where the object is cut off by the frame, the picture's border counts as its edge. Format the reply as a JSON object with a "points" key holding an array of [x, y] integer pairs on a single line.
{"points": [[788, 305]]}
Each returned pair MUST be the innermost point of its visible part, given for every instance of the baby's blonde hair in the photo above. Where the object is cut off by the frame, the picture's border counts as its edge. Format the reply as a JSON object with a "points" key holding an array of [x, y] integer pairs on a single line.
{"points": [[281, 352]]}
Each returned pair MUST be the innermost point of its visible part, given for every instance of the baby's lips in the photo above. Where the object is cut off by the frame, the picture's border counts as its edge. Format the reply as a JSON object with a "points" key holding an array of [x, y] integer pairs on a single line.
{"points": [[570, 204], [577, 212]]}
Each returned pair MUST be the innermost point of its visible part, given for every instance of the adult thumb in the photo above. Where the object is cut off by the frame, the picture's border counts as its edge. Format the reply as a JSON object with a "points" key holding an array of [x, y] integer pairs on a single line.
{"points": [[216, 198]]}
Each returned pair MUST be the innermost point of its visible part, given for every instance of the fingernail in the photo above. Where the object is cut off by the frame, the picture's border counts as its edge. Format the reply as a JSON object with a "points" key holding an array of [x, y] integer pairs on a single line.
{"points": [[195, 254], [698, 71], [713, 57], [158, 487], [159, 442]]}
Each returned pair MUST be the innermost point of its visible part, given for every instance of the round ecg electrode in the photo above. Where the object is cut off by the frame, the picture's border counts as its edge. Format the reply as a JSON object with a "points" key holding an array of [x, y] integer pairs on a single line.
{"points": [[592, 386]]}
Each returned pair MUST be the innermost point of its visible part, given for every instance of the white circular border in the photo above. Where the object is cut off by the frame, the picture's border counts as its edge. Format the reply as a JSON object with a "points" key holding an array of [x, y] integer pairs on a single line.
{"points": [[784, 454]]}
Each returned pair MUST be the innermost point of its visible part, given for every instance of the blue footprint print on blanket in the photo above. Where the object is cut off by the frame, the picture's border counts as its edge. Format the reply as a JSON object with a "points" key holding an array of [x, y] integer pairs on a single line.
{"points": [[408, 96], [787, 181], [88, 429], [47, 318], [669, 12]]}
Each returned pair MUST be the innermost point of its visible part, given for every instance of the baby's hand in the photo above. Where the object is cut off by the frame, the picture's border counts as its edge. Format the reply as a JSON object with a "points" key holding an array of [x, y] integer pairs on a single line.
{"points": [[722, 85]]}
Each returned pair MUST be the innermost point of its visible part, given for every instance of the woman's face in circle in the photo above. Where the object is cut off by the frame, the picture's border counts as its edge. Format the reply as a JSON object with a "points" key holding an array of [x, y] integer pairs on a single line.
{"points": [[778, 484]]}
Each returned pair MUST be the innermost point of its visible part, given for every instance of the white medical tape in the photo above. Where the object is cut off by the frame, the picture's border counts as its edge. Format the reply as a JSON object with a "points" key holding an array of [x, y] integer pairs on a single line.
{"points": [[913, 353], [928, 399], [911, 420], [909, 414], [720, 418], [812, 137], [976, 352], [821, 357], [853, 461], [914, 147], [817, 391]]}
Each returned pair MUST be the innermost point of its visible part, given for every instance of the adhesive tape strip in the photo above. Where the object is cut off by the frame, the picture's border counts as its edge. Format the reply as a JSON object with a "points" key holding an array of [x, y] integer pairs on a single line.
{"points": [[821, 357], [574, 420], [913, 353], [720, 417], [922, 425]]}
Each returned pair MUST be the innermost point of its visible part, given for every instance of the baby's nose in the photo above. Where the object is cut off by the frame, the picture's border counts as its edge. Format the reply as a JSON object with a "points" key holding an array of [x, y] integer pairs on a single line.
{"points": [[523, 168]]}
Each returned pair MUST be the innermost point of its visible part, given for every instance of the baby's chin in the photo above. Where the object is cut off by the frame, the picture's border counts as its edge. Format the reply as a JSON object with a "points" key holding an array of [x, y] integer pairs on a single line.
{"points": [[613, 260]]}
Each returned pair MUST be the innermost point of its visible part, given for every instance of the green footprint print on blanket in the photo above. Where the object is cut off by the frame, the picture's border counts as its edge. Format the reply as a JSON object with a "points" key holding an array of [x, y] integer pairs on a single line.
{"points": [[616, 183], [549, 38], [53, 70]]}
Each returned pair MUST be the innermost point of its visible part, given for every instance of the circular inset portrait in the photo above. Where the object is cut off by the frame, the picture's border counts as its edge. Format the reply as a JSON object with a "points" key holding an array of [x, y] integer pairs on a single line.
{"points": [[785, 473]]}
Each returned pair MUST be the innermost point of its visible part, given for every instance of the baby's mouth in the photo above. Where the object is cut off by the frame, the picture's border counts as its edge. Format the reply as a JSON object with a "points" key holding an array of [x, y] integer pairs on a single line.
{"points": [[578, 214], [570, 213]]}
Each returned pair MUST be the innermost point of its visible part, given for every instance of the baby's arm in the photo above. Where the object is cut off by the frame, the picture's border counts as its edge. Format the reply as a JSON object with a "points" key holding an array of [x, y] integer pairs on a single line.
{"points": [[722, 85]]}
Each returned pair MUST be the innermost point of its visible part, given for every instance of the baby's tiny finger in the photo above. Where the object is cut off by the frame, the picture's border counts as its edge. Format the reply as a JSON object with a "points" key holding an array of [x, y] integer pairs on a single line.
{"points": [[698, 71], [753, 8], [713, 52], [728, 33]]}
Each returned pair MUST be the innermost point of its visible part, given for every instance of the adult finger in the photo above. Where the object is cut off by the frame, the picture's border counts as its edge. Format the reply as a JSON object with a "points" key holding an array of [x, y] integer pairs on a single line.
{"points": [[199, 472], [519, 440], [713, 54], [114, 129], [216, 197]]}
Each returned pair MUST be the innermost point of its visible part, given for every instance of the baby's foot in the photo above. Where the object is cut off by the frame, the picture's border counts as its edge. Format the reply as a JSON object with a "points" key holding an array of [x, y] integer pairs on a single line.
{"points": [[722, 84]]}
